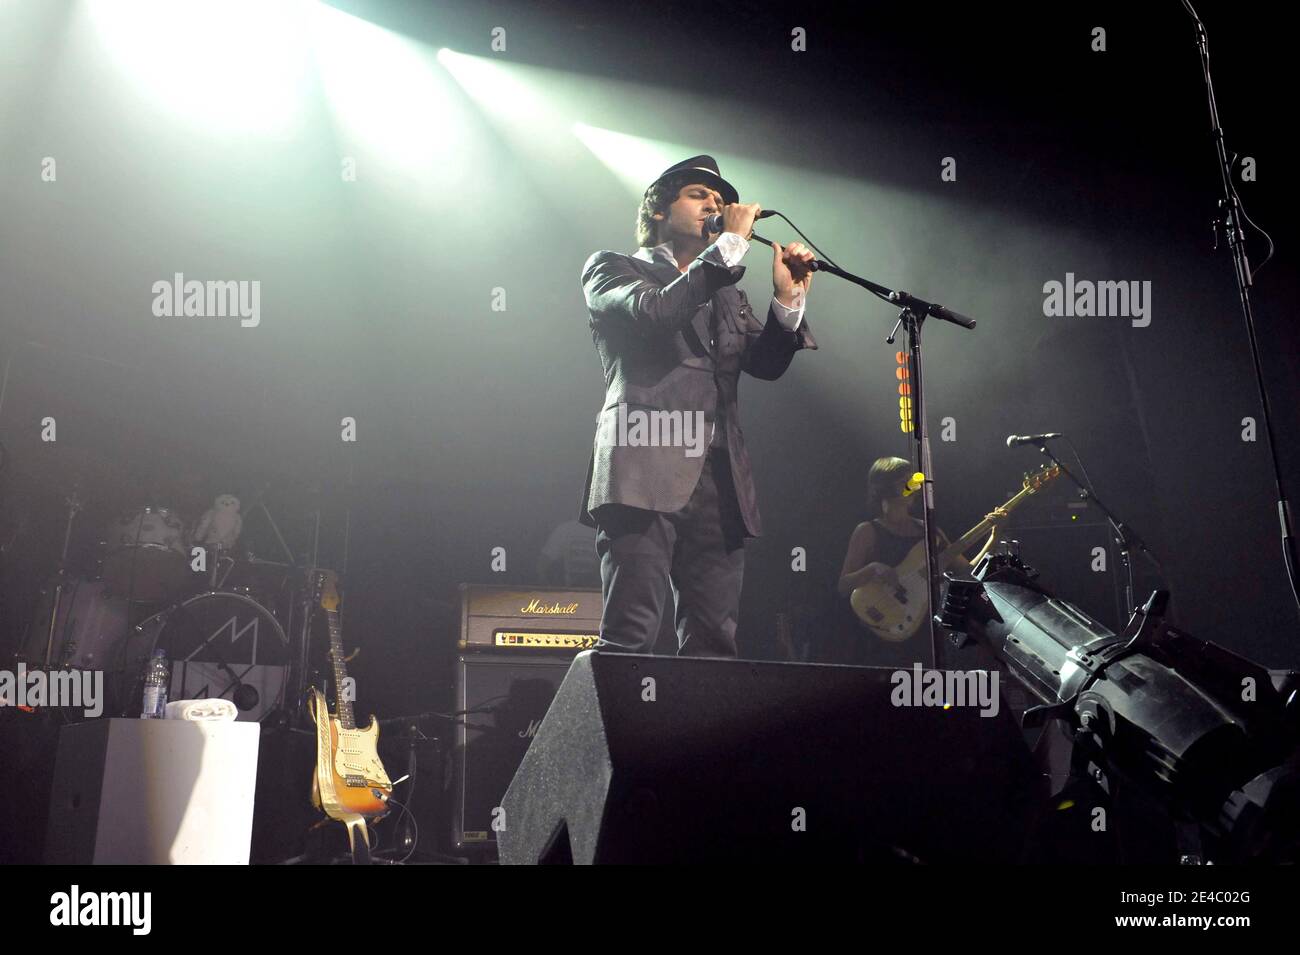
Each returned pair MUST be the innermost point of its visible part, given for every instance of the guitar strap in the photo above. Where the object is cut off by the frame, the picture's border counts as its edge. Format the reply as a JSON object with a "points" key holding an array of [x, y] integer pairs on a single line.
{"points": [[323, 794]]}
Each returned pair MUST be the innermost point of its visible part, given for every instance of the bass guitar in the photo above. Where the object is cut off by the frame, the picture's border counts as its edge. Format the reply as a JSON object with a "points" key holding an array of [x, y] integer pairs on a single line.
{"points": [[895, 612]]}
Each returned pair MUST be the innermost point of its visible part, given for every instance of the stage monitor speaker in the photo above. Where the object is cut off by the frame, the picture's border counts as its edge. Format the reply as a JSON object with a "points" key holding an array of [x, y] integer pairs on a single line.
{"points": [[647, 759]]}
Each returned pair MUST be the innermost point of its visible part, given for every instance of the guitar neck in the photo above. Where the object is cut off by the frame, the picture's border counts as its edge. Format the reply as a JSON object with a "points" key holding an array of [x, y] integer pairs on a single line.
{"points": [[982, 528], [343, 705]]}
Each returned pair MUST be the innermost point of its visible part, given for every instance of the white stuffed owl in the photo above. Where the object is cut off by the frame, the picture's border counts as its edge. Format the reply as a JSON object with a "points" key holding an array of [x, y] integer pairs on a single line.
{"points": [[221, 523]]}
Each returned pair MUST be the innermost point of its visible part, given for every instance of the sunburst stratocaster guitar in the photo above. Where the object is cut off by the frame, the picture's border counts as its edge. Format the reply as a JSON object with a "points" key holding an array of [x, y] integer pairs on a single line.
{"points": [[894, 613], [348, 774]]}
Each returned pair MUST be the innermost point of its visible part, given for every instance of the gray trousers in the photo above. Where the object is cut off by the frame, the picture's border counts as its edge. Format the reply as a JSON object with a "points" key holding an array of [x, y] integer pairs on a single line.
{"points": [[699, 551]]}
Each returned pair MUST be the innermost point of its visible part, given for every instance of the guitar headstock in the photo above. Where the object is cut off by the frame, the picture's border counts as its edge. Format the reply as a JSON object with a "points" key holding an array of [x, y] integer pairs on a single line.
{"points": [[1038, 479], [325, 589]]}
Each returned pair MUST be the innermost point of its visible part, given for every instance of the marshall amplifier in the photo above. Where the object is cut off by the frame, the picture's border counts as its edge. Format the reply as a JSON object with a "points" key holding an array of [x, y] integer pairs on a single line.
{"points": [[515, 618], [516, 645], [501, 697]]}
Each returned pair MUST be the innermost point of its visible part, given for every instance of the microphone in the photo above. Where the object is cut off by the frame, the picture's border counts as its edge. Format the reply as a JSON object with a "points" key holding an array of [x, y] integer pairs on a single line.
{"points": [[1016, 440], [713, 223]]}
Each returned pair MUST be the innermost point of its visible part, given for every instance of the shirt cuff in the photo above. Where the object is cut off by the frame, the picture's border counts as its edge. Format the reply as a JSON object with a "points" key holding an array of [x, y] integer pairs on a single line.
{"points": [[733, 248], [790, 318]]}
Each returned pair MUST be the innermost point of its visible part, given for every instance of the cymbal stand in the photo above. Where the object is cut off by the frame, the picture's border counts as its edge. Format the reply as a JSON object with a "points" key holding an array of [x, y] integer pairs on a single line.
{"points": [[75, 504]]}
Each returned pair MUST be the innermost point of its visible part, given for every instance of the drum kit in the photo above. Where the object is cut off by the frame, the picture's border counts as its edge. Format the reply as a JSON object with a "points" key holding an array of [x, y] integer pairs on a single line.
{"points": [[222, 617]]}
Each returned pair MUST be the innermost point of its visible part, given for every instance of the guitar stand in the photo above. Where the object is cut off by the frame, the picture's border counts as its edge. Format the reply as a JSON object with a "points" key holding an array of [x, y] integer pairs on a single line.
{"points": [[358, 839], [358, 853]]}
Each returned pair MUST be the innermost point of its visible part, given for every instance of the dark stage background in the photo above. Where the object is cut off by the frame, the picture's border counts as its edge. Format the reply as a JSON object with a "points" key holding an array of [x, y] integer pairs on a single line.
{"points": [[474, 424]]}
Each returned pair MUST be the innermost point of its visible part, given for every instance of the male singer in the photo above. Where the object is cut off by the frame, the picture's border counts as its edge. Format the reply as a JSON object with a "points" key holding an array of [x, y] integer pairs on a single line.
{"points": [[669, 488]]}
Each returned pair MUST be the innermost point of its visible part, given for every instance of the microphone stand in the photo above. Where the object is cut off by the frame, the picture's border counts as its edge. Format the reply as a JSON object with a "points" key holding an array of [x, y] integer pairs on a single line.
{"points": [[1125, 537], [912, 316], [1232, 214]]}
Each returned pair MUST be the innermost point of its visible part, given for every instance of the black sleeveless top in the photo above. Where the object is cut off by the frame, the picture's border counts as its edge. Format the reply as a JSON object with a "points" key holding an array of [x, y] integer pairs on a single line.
{"points": [[847, 640], [891, 547]]}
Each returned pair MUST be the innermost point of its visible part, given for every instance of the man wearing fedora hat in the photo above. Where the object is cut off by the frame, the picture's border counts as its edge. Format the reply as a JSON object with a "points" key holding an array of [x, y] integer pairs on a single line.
{"points": [[673, 333]]}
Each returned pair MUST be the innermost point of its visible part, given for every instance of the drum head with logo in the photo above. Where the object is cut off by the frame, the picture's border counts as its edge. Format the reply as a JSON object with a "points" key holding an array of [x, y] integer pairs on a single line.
{"points": [[220, 644]]}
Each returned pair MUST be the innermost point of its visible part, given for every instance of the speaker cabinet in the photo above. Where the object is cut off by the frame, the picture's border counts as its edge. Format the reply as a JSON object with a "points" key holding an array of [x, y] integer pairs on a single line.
{"points": [[502, 697]]}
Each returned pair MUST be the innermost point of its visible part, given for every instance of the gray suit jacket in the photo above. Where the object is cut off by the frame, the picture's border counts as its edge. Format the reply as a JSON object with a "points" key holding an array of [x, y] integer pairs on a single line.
{"points": [[673, 341]]}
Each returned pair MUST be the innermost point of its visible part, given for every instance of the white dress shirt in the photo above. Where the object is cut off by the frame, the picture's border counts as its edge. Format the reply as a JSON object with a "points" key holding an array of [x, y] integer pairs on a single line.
{"points": [[733, 248]]}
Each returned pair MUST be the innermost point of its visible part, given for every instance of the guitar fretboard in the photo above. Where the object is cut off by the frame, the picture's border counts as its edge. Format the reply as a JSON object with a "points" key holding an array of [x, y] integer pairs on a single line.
{"points": [[344, 701], [1032, 485]]}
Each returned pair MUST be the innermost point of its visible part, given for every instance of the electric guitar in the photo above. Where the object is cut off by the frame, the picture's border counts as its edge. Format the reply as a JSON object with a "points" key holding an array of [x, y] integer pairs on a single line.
{"points": [[894, 613], [350, 784]]}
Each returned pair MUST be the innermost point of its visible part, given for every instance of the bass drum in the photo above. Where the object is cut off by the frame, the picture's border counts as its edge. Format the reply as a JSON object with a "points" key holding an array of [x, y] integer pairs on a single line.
{"points": [[220, 644]]}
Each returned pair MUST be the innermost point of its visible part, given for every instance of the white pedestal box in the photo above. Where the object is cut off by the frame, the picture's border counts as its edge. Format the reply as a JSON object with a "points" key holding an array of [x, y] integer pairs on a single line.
{"points": [[129, 792]]}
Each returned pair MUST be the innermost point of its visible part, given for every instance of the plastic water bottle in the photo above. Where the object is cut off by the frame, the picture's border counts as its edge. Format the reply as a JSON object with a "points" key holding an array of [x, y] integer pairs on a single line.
{"points": [[156, 678]]}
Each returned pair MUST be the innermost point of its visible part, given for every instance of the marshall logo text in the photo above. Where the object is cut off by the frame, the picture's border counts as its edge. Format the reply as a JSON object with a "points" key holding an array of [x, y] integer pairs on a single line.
{"points": [[536, 606]]}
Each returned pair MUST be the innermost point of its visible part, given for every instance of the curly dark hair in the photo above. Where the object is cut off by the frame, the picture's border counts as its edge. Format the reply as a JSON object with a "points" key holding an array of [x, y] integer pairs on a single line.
{"points": [[657, 199]]}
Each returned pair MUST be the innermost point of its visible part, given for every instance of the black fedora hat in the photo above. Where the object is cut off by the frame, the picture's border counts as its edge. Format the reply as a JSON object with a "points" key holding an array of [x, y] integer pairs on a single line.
{"points": [[705, 169]]}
